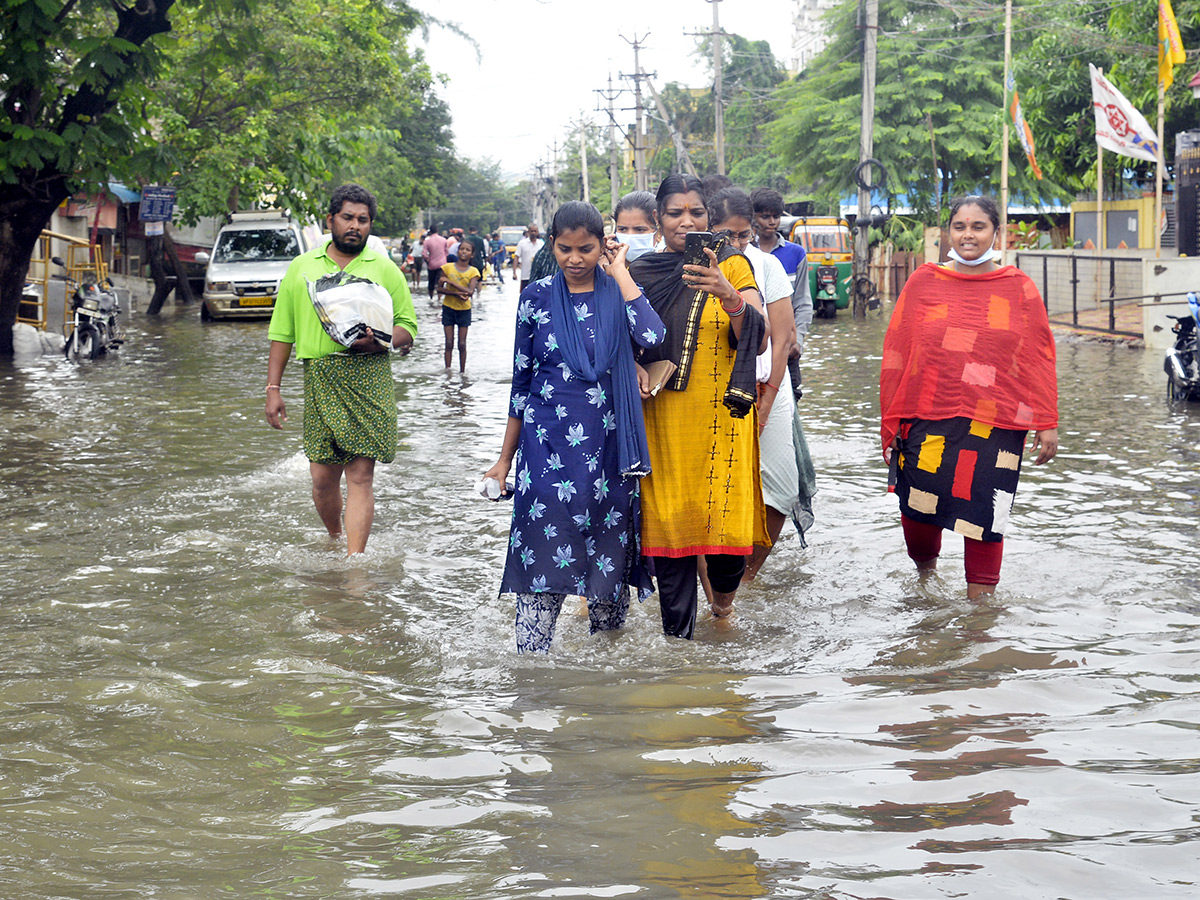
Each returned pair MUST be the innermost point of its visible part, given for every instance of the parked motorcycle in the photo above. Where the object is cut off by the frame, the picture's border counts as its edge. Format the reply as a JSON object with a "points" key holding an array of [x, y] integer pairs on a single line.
{"points": [[1182, 363], [94, 328]]}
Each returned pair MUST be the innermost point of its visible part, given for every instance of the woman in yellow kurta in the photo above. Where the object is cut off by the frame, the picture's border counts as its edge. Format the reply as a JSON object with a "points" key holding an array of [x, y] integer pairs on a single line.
{"points": [[703, 496]]}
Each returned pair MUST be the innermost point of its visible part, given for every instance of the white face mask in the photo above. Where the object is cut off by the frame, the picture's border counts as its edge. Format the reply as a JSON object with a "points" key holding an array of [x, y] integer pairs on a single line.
{"points": [[639, 244], [987, 256]]}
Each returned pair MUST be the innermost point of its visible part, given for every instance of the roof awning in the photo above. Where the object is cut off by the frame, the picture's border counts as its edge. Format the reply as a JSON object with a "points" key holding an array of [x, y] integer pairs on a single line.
{"points": [[124, 194]]}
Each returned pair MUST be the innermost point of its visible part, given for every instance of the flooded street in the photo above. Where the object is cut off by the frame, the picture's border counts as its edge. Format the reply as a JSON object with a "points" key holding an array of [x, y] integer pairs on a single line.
{"points": [[200, 698]]}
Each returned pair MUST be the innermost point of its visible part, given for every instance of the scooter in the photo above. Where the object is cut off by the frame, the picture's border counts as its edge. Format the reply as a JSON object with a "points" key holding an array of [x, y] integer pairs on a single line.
{"points": [[826, 293], [1182, 362], [94, 328]]}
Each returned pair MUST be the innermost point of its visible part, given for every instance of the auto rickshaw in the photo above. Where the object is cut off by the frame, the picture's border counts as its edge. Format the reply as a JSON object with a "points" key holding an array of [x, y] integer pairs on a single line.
{"points": [[830, 247]]}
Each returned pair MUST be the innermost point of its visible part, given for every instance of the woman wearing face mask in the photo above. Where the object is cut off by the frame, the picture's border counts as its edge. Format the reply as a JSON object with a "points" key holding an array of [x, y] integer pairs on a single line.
{"points": [[636, 222], [968, 371], [731, 212], [704, 496]]}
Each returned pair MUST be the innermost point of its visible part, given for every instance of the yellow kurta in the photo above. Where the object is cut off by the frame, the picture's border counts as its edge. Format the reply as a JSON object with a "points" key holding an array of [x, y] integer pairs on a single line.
{"points": [[704, 494]]}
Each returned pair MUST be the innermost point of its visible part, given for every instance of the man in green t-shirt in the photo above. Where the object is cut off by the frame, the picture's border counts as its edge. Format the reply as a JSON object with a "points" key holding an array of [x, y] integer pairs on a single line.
{"points": [[349, 394]]}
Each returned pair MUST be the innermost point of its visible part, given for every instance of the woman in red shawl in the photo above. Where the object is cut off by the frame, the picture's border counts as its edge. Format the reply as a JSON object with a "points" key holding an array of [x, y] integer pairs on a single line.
{"points": [[968, 371]]}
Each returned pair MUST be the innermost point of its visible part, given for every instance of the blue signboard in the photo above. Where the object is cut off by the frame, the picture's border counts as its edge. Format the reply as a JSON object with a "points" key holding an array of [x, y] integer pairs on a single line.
{"points": [[158, 203]]}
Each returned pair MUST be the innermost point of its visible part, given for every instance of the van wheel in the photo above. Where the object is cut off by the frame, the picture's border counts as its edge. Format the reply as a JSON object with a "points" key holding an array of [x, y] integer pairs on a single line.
{"points": [[205, 315]]}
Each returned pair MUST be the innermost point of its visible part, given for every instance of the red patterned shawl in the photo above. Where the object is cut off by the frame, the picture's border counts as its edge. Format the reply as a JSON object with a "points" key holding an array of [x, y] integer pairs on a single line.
{"points": [[969, 345]]}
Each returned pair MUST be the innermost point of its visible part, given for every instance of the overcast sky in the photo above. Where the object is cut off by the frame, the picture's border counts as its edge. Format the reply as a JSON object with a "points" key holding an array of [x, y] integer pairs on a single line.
{"points": [[541, 61]]}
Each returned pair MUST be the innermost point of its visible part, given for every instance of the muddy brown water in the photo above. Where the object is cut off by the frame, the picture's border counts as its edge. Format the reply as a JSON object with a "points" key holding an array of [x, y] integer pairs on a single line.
{"points": [[199, 698]]}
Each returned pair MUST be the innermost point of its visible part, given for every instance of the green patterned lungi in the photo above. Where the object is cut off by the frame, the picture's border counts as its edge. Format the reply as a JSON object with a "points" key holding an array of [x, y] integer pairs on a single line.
{"points": [[349, 408]]}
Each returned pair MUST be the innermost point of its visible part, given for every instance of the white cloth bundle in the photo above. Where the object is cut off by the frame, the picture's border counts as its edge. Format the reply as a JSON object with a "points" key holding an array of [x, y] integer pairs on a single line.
{"points": [[347, 306]]}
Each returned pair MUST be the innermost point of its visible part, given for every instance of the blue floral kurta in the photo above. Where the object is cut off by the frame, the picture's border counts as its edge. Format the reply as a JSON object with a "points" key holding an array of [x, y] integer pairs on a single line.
{"points": [[576, 522]]}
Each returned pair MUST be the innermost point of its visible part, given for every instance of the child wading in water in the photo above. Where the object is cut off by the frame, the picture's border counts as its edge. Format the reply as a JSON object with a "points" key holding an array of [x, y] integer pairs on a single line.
{"points": [[457, 284]]}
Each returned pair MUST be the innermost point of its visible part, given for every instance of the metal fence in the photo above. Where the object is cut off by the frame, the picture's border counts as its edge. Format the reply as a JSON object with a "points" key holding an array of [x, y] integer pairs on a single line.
{"points": [[1086, 291]]}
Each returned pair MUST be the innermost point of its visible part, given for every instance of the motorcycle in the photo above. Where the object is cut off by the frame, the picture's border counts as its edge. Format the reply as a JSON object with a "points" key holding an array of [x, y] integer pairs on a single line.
{"points": [[1182, 362], [94, 328]]}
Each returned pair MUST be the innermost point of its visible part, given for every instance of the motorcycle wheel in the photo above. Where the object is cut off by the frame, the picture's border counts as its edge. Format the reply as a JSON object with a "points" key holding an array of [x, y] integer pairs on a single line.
{"points": [[87, 343]]}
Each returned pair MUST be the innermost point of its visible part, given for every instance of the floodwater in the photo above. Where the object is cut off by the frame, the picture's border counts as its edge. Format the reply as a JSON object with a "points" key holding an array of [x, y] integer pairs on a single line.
{"points": [[200, 698]]}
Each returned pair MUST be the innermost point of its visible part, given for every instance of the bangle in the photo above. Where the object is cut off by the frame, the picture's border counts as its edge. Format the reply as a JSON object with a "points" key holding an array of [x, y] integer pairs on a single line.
{"points": [[272, 387], [737, 310], [771, 386]]}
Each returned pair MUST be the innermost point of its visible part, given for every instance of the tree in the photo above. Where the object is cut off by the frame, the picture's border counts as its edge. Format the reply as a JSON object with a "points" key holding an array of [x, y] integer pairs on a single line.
{"points": [[480, 197], [267, 102], [415, 166], [1052, 77], [940, 70], [70, 73]]}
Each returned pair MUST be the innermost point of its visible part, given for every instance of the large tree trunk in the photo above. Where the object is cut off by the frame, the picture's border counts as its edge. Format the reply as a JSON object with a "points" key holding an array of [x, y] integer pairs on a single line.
{"points": [[183, 287], [22, 218], [158, 272], [27, 203]]}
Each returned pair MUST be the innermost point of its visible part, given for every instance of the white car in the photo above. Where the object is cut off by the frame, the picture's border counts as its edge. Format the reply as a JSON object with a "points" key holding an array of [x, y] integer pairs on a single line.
{"points": [[248, 261]]}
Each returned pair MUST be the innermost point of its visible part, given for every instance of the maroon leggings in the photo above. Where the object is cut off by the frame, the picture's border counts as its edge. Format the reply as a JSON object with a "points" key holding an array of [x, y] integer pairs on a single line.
{"points": [[982, 558]]}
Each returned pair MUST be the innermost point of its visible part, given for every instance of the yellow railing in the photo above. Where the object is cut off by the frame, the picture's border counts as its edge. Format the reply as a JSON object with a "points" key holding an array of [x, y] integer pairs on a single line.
{"points": [[84, 261]]}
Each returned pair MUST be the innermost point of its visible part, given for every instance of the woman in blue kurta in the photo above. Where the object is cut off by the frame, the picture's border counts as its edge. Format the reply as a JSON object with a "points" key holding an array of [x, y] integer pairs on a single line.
{"points": [[575, 438]]}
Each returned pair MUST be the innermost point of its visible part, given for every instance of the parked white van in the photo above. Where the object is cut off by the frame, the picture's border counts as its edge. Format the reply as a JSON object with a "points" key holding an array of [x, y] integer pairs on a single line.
{"points": [[248, 260]]}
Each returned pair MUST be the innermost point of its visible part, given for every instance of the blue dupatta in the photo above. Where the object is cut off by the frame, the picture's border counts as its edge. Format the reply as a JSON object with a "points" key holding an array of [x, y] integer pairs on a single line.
{"points": [[612, 353]]}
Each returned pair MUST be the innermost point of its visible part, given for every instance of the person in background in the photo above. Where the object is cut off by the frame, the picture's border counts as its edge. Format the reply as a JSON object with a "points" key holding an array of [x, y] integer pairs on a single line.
{"points": [[418, 260], [768, 210], [544, 263], [575, 435], [479, 257], [452, 241], [731, 212], [349, 395], [527, 248], [635, 222], [499, 251], [458, 283], [968, 371], [434, 253], [704, 496]]}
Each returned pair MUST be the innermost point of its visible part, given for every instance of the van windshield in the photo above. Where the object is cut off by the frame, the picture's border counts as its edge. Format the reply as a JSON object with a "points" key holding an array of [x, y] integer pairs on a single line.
{"points": [[266, 245]]}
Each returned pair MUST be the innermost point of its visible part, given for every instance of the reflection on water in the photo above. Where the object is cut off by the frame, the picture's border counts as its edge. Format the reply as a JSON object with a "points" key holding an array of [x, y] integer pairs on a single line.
{"points": [[201, 697]]}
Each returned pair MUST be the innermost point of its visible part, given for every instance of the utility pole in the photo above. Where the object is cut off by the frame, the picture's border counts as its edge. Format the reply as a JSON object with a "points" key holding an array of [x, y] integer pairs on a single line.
{"points": [[587, 193], [718, 86], [641, 179], [866, 147], [614, 158]]}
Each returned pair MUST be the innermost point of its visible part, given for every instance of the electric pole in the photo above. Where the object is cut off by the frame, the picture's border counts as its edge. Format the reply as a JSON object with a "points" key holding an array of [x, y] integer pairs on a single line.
{"points": [[639, 142], [718, 86], [614, 159], [866, 147], [583, 136]]}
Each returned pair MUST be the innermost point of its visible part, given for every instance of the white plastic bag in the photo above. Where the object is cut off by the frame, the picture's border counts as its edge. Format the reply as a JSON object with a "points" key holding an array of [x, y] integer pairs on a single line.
{"points": [[347, 306]]}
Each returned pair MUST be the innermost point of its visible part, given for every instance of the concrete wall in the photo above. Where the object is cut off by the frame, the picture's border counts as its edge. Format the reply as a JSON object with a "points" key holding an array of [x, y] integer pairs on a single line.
{"points": [[1166, 282]]}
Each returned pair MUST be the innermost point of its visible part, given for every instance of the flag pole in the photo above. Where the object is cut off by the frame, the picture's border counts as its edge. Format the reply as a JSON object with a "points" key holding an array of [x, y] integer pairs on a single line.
{"points": [[1158, 176], [1099, 217], [1004, 134]]}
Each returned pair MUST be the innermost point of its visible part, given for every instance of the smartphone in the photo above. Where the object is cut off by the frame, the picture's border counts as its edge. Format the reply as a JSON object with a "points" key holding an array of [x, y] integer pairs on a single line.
{"points": [[693, 248]]}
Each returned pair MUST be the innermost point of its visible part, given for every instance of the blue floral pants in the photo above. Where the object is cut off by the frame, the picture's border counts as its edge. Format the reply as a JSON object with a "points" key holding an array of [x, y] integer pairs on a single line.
{"points": [[537, 614]]}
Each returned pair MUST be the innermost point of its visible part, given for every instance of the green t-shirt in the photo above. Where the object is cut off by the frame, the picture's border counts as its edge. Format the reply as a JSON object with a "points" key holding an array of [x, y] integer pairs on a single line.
{"points": [[295, 321]]}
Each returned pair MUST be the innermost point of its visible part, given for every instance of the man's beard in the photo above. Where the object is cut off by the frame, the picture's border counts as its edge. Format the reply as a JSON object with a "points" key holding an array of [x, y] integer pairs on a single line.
{"points": [[349, 249]]}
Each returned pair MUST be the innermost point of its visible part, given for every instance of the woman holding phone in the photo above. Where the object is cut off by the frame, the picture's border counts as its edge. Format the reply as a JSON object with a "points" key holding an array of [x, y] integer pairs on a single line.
{"points": [[704, 496]]}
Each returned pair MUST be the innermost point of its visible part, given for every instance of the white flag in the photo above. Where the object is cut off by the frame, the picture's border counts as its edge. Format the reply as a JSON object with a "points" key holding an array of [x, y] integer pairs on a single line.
{"points": [[1119, 127]]}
